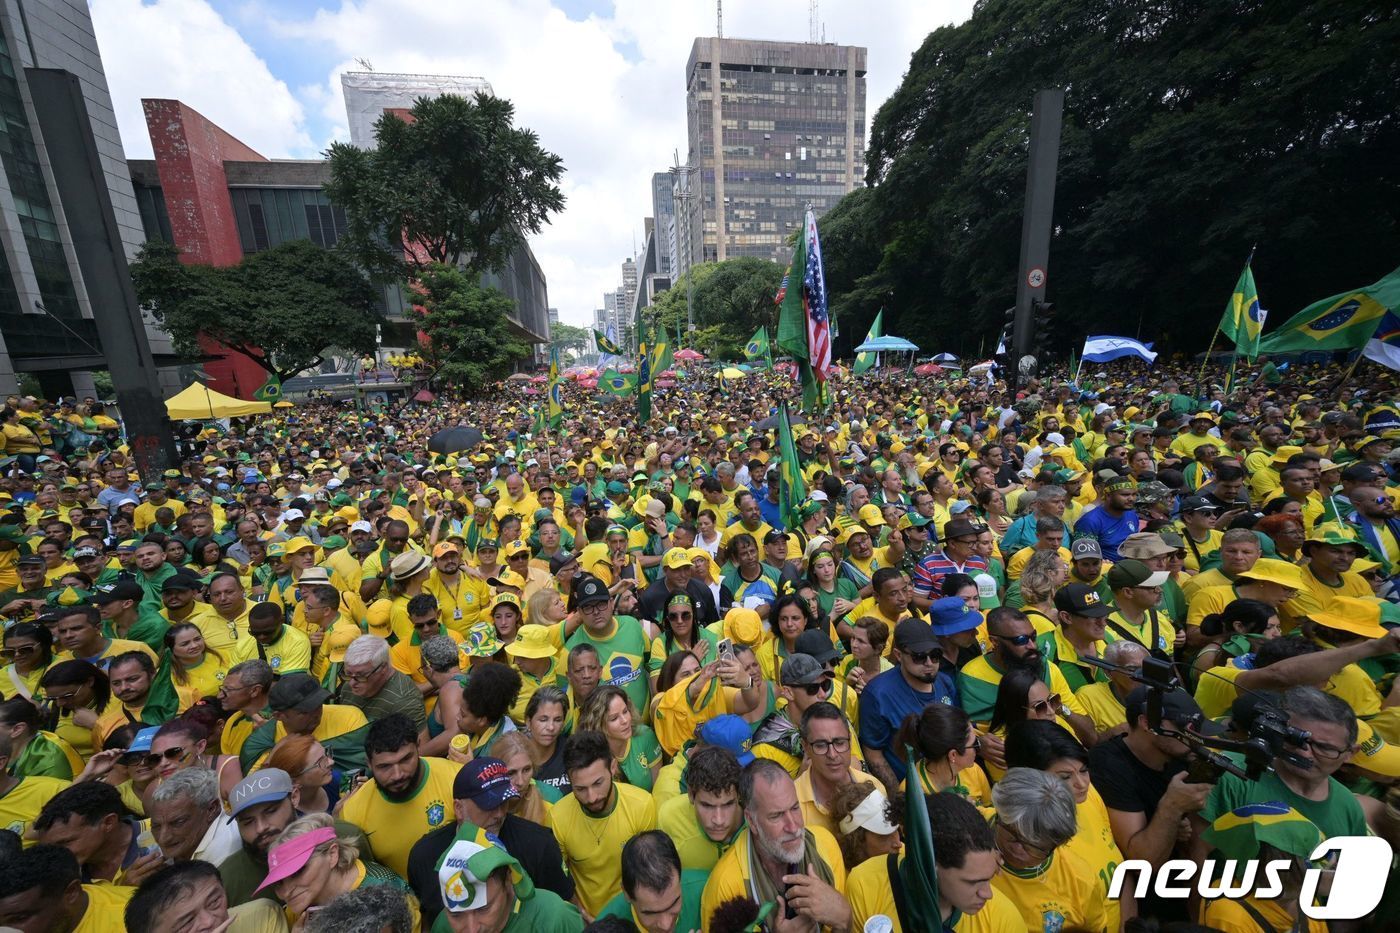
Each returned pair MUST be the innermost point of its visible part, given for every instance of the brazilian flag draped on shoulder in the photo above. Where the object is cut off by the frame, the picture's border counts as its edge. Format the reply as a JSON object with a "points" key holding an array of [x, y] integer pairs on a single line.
{"points": [[605, 345], [1342, 322], [793, 489], [1243, 320]]}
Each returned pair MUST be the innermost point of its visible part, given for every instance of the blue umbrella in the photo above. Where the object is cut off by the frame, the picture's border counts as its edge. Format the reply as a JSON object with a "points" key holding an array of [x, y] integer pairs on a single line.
{"points": [[885, 344]]}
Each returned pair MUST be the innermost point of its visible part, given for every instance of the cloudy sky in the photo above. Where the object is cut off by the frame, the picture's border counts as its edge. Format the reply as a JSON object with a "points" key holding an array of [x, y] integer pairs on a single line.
{"points": [[601, 81]]}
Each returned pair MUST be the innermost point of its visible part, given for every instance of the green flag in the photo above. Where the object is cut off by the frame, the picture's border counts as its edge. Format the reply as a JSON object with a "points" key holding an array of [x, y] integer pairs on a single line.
{"points": [[758, 347], [554, 390], [1342, 322], [866, 360], [605, 345], [792, 322], [919, 869], [1243, 320], [616, 383], [792, 490]]}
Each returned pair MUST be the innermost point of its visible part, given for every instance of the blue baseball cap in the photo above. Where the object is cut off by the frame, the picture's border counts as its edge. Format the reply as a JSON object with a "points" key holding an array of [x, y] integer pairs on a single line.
{"points": [[485, 782], [731, 732], [951, 615], [141, 742]]}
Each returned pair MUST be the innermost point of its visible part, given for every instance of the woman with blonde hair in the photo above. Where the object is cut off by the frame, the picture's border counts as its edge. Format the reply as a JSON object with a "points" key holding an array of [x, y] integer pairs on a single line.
{"points": [[312, 863], [1044, 574], [545, 607], [311, 768], [634, 746], [517, 752]]}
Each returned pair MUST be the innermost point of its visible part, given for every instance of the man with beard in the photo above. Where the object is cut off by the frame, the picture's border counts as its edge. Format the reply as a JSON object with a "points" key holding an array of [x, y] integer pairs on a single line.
{"points": [[461, 597], [1114, 520], [594, 822], [263, 804], [1013, 648], [893, 695], [779, 859], [408, 795]]}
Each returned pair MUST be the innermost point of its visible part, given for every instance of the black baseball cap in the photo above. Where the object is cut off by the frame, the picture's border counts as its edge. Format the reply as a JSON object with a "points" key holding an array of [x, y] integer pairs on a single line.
{"points": [[117, 591], [298, 692], [915, 635], [1080, 599], [1178, 707], [590, 590], [816, 643]]}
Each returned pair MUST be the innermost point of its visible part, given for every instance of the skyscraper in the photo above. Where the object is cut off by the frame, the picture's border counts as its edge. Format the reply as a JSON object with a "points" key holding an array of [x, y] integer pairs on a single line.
{"points": [[773, 127], [663, 212]]}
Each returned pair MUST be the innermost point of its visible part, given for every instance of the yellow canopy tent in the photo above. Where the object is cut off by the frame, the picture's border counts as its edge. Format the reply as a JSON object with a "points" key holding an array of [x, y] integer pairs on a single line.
{"points": [[199, 401]]}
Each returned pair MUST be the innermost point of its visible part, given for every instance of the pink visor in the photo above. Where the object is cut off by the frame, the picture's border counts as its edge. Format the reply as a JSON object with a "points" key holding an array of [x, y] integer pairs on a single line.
{"points": [[290, 857]]}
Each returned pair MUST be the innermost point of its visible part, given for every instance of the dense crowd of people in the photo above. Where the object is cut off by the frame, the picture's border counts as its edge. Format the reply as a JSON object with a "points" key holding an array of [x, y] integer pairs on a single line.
{"points": [[323, 675]]}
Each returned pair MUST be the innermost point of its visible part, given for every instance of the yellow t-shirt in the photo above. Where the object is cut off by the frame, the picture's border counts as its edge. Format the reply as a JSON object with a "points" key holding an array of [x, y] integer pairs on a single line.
{"points": [[868, 889], [397, 825], [1315, 596], [1104, 707], [1017, 565], [1142, 633], [813, 813], [459, 606], [1355, 686], [289, 654], [731, 875], [1216, 690], [22, 804], [1209, 600], [591, 843], [207, 677], [1094, 844], [106, 909], [1209, 546], [1064, 894], [1227, 916], [219, 633], [676, 818]]}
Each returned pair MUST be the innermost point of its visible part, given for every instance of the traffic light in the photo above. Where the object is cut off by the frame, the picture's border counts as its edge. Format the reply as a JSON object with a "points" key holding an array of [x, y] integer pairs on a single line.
{"points": [[1006, 337], [1042, 335]]}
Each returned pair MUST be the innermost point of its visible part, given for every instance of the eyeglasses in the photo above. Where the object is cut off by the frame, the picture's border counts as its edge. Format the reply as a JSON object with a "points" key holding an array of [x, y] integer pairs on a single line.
{"points": [[1049, 704], [1021, 841], [822, 746], [18, 651], [366, 675], [1323, 750], [325, 761], [170, 754], [1020, 641], [59, 697]]}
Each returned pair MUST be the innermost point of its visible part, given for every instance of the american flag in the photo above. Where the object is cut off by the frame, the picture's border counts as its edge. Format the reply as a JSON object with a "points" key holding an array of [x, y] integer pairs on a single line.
{"points": [[814, 299], [782, 289]]}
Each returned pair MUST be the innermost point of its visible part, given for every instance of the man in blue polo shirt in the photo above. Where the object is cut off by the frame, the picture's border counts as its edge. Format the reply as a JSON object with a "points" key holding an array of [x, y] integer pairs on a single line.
{"points": [[1114, 519], [892, 696]]}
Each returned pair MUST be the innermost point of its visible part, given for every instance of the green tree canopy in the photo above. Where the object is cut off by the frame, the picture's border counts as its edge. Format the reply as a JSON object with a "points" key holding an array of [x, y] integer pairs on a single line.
{"points": [[458, 183], [469, 338], [732, 299], [579, 340], [281, 308], [1193, 130]]}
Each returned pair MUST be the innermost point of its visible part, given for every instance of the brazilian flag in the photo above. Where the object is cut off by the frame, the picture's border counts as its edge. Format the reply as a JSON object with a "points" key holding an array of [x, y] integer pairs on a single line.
{"points": [[555, 390], [616, 383], [605, 345], [759, 348], [1342, 322], [270, 391], [1243, 319], [792, 489], [865, 361]]}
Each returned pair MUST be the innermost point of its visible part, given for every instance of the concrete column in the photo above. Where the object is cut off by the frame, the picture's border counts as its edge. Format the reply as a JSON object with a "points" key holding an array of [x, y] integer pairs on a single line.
{"points": [[83, 385]]}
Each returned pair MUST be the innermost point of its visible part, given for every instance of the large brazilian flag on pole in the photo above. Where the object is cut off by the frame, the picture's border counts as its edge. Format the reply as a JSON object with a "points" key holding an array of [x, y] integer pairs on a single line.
{"points": [[1342, 322]]}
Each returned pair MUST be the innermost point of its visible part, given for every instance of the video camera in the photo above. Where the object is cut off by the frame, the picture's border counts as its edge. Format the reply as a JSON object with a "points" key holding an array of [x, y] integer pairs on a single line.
{"points": [[1268, 735]]}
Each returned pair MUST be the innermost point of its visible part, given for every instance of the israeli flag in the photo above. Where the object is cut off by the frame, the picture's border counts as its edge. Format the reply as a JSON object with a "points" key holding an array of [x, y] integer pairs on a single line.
{"points": [[1103, 349]]}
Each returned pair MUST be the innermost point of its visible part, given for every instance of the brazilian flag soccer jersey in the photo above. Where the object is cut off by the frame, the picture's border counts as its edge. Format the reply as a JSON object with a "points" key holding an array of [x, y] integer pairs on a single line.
{"points": [[623, 654], [399, 823]]}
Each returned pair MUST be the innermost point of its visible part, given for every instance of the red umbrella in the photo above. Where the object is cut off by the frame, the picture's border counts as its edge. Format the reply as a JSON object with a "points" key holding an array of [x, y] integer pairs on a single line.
{"points": [[689, 354], [927, 369], [532, 391], [423, 395], [665, 383], [666, 374], [588, 383], [539, 379]]}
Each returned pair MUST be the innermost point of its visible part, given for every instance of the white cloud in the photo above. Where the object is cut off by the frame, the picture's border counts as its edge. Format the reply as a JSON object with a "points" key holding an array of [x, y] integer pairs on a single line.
{"points": [[183, 49], [615, 118]]}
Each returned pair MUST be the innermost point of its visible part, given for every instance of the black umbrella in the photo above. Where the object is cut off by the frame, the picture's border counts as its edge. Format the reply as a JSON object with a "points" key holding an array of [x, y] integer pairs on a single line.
{"points": [[454, 440]]}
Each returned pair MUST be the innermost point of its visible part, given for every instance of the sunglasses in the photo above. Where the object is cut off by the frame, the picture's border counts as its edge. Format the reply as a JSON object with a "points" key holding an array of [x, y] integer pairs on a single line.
{"points": [[817, 689], [1049, 704], [170, 754], [18, 651], [1020, 641], [920, 657]]}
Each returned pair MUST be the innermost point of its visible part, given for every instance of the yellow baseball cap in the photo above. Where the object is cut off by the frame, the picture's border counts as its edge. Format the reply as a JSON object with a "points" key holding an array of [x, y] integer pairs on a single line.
{"points": [[678, 558]]}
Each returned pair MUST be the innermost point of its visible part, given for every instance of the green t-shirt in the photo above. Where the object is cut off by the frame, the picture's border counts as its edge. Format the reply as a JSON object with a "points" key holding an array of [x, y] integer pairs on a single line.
{"points": [[623, 655], [149, 629], [692, 888], [1338, 815], [642, 752], [844, 589]]}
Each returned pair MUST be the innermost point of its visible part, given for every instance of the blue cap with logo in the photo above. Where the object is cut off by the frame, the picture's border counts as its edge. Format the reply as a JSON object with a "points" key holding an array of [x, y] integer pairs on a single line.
{"points": [[731, 732], [951, 615]]}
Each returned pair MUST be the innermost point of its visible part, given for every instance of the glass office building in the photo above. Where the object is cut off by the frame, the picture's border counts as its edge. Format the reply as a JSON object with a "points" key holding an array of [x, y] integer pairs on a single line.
{"points": [[774, 127]]}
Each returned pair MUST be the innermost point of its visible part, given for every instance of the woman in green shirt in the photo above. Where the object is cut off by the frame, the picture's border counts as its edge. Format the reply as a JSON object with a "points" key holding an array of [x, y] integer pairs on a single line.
{"points": [[634, 746], [836, 596]]}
